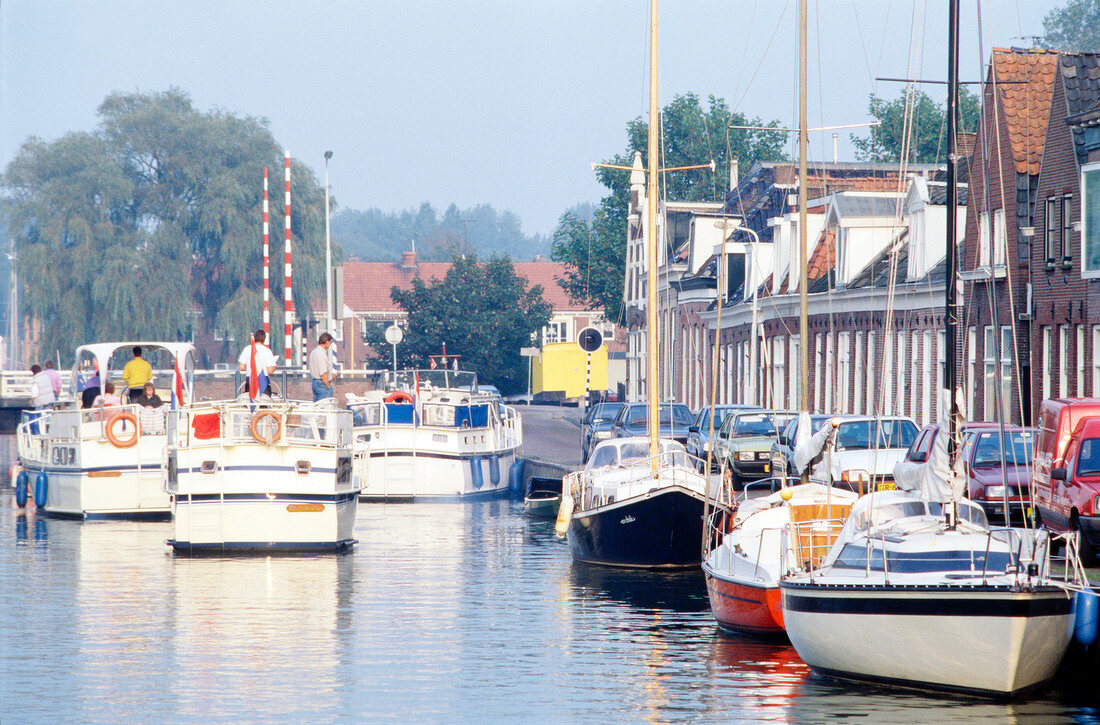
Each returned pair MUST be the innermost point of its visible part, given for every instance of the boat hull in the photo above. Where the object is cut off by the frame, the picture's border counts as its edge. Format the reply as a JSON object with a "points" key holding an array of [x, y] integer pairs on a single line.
{"points": [[986, 640], [542, 506], [426, 474], [743, 606], [659, 529]]}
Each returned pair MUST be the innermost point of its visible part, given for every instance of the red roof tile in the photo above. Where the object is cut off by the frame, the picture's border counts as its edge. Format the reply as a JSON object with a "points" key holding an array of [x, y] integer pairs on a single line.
{"points": [[367, 284], [1025, 80], [823, 257]]}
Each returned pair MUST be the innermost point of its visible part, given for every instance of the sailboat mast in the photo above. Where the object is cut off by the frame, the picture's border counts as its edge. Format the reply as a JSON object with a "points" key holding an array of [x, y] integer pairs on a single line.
{"points": [[950, 322], [803, 255], [651, 236]]}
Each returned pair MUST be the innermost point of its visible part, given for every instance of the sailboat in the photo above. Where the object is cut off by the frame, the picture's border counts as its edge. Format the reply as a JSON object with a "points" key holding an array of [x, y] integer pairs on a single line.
{"points": [[919, 590], [639, 501]]}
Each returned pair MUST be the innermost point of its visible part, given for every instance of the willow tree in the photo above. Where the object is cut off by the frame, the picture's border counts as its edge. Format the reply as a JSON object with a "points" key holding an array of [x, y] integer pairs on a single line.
{"points": [[134, 229]]}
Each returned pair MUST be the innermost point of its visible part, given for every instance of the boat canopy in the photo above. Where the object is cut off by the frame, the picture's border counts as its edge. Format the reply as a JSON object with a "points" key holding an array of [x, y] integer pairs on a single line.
{"points": [[626, 451], [96, 356]]}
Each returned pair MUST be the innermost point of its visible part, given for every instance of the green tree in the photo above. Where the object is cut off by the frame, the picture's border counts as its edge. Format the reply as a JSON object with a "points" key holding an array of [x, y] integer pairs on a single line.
{"points": [[928, 127], [483, 312], [595, 252], [122, 231], [1073, 27]]}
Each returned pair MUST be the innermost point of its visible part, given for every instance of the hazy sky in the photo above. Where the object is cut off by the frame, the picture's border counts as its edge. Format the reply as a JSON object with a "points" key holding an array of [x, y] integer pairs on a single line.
{"points": [[472, 101]]}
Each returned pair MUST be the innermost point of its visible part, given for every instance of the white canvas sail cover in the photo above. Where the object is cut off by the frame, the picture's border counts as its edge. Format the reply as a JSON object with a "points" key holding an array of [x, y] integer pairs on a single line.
{"points": [[809, 449], [934, 479]]}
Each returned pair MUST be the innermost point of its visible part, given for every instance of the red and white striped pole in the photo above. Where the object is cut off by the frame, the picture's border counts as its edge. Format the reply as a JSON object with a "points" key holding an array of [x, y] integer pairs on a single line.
{"points": [[267, 266], [287, 285]]}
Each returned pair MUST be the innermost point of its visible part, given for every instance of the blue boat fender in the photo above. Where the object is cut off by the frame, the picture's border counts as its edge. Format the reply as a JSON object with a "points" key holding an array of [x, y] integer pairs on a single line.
{"points": [[22, 484], [476, 476], [40, 484], [494, 470], [515, 477], [1085, 623]]}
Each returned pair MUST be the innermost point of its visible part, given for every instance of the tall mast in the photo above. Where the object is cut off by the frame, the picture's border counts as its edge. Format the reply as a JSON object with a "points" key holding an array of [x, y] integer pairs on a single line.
{"points": [[803, 321], [950, 322], [651, 237]]}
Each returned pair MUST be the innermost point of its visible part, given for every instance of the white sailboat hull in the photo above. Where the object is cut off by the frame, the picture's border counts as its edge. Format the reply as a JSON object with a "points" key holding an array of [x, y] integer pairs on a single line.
{"points": [[988, 640]]}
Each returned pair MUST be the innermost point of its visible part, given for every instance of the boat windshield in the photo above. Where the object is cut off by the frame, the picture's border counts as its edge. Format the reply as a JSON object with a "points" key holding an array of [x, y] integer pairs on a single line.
{"points": [[887, 511], [875, 558], [636, 451], [1017, 448]]}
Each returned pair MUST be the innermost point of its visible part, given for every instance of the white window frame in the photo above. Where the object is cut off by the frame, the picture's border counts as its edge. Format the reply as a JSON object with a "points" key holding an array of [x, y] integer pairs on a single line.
{"points": [[1090, 221], [844, 369], [870, 402], [887, 374], [1063, 373], [857, 389], [1079, 360], [972, 378], [926, 384], [829, 382], [1045, 369], [900, 375]]}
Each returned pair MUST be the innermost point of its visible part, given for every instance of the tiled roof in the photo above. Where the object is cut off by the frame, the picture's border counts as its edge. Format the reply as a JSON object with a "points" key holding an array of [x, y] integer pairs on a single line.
{"points": [[823, 258], [1081, 76], [1025, 80], [367, 284]]}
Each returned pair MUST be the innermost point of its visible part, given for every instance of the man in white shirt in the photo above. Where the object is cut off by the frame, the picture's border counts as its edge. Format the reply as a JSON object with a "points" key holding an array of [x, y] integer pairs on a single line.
{"points": [[265, 361], [320, 368]]}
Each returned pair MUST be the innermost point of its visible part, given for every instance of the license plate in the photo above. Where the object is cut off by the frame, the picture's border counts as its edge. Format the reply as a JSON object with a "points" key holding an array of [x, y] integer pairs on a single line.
{"points": [[887, 486], [765, 468]]}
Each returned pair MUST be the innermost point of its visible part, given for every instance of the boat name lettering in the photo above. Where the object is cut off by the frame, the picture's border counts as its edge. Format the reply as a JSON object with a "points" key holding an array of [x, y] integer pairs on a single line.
{"points": [[627, 520], [63, 456], [299, 507]]}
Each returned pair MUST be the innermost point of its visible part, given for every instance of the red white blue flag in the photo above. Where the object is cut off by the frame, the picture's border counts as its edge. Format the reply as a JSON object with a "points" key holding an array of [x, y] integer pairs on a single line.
{"points": [[177, 383]]}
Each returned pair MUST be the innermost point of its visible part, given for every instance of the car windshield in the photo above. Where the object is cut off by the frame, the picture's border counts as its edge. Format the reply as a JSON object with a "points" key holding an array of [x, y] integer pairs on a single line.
{"points": [[675, 414], [754, 424], [1088, 458], [1018, 446], [859, 435], [720, 415], [605, 413]]}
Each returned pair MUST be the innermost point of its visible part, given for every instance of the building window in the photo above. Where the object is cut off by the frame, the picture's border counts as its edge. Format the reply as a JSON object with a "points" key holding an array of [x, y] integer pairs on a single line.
{"points": [[1045, 371], [887, 374], [926, 384], [1090, 220], [998, 378], [779, 365], [1067, 228], [983, 239], [829, 382], [941, 375], [999, 239], [1095, 359], [843, 358], [1063, 360], [1079, 361], [869, 406], [861, 369], [1050, 230], [914, 392], [972, 364], [900, 376]]}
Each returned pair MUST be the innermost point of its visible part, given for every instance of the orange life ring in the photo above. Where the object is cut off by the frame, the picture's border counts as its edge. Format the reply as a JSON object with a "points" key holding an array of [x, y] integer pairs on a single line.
{"points": [[399, 397], [255, 424], [123, 415]]}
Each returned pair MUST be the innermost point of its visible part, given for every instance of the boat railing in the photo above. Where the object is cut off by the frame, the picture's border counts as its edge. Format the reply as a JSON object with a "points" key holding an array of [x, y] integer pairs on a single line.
{"points": [[277, 425], [39, 429], [447, 416], [808, 541], [592, 488]]}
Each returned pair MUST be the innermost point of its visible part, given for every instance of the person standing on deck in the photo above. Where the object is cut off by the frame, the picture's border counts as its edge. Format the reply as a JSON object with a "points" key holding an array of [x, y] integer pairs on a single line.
{"points": [[265, 361], [55, 377], [136, 373], [320, 368]]}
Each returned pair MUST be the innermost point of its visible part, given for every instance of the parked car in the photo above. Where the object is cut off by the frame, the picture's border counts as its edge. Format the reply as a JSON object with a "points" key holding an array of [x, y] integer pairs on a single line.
{"points": [[596, 426], [993, 478], [867, 449], [1065, 477], [700, 437], [743, 444], [673, 421]]}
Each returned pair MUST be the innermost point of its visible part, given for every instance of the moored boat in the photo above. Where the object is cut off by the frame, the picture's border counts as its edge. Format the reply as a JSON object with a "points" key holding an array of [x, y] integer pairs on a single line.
{"points": [[912, 595], [625, 511], [280, 476], [746, 555], [100, 461], [432, 434]]}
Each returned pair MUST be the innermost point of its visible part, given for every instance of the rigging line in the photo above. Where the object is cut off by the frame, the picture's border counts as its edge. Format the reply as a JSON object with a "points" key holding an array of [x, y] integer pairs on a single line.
{"points": [[748, 33], [1008, 267], [763, 56]]}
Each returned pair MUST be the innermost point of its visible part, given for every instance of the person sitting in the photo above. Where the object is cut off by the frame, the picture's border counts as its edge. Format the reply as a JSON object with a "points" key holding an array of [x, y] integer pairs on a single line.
{"points": [[108, 398], [89, 389], [148, 397]]}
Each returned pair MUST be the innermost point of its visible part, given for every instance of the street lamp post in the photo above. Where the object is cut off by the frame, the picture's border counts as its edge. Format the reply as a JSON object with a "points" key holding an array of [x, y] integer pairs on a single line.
{"points": [[329, 324]]}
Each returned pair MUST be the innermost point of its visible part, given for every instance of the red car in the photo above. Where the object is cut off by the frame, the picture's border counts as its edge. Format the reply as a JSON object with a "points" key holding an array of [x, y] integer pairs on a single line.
{"points": [[993, 479]]}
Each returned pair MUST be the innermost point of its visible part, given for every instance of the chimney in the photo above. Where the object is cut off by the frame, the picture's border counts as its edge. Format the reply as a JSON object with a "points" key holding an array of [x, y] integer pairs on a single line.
{"points": [[735, 172], [408, 260]]}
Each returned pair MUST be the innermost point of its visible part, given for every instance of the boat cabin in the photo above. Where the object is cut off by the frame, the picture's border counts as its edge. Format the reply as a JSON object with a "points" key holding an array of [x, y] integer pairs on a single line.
{"points": [[635, 449]]}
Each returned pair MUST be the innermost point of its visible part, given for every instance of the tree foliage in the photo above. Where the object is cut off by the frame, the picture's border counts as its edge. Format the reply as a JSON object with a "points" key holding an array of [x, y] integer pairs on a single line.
{"points": [[595, 251], [928, 128], [120, 232], [483, 312], [377, 236], [1076, 26]]}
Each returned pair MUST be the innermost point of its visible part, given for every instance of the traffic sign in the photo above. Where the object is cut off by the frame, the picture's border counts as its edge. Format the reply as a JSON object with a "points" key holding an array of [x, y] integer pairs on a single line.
{"points": [[590, 339], [394, 335]]}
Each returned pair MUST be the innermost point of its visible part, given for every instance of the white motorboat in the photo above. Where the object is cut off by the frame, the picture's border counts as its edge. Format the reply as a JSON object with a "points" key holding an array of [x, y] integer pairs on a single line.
{"points": [[104, 461], [622, 510], [262, 475], [746, 554], [432, 434], [910, 597]]}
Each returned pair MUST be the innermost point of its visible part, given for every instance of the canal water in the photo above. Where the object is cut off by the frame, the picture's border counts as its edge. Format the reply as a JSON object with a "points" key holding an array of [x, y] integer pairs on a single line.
{"points": [[443, 612]]}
